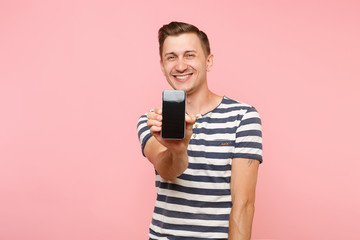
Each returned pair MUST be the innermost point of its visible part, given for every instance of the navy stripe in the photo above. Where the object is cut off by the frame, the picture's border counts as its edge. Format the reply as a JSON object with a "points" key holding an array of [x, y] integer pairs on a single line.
{"points": [[251, 121], [251, 109], [249, 145], [171, 237], [198, 191], [248, 155], [213, 155], [217, 120], [214, 131], [142, 121], [191, 228], [185, 215], [202, 166], [142, 130], [205, 178], [247, 133], [201, 142], [193, 203], [229, 101], [230, 109], [146, 138]]}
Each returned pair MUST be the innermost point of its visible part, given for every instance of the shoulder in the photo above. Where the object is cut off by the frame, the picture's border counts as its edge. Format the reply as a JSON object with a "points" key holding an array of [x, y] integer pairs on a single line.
{"points": [[232, 107], [142, 127], [143, 131], [235, 103], [141, 123], [142, 118]]}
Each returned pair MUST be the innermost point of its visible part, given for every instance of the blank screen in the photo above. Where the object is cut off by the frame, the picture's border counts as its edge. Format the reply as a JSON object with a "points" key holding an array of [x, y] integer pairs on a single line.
{"points": [[173, 123]]}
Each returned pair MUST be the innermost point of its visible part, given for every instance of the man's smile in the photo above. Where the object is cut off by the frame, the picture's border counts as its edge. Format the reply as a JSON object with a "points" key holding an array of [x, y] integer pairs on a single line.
{"points": [[182, 78]]}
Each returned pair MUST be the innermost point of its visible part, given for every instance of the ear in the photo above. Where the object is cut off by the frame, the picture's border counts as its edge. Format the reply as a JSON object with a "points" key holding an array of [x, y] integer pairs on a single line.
{"points": [[209, 62], [162, 66]]}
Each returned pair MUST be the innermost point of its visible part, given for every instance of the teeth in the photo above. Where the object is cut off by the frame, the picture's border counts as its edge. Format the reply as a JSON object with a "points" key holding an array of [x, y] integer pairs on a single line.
{"points": [[182, 77]]}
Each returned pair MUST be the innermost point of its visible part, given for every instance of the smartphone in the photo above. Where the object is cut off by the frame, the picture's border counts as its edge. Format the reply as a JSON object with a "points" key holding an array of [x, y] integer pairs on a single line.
{"points": [[173, 113]]}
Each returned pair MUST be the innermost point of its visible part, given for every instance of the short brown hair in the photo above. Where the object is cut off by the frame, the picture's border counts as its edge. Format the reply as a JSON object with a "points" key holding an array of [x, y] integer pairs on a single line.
{"points": [[177, 28]]}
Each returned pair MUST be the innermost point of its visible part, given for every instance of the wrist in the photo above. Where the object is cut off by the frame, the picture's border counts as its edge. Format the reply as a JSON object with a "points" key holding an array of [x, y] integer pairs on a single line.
{"points": [[177, 149], [180, 161]]}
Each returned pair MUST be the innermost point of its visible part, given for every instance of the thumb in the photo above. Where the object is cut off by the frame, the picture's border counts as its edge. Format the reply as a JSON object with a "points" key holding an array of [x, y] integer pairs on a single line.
{"points": [[190, 119]]}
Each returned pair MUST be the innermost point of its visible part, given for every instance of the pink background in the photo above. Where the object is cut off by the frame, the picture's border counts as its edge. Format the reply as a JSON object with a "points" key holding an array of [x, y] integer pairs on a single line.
{"points": [[76, 75]]}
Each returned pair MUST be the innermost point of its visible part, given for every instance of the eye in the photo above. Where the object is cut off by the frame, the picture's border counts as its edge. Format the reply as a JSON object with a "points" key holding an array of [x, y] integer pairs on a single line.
{"points": [[170, 58], [190, 55]]}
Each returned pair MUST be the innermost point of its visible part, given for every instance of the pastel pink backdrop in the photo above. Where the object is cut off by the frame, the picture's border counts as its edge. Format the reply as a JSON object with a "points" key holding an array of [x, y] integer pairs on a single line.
{"points": [[76, 75]]}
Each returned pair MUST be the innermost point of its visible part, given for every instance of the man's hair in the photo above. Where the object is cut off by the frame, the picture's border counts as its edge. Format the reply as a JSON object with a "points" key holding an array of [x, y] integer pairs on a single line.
{"points": [[177, 28]]}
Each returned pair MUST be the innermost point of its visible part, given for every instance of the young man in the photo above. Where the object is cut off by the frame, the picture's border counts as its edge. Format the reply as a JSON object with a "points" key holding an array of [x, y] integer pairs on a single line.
{"points": [[206, 182]]}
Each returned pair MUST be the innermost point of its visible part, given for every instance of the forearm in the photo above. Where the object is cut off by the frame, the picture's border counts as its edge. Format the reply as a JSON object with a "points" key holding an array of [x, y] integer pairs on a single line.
{"points": [[240, 222], [170, 165]]}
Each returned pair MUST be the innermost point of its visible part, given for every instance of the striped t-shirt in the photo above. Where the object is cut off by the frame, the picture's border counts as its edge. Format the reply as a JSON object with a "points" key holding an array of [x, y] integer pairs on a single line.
{"points": [[197, 204]]}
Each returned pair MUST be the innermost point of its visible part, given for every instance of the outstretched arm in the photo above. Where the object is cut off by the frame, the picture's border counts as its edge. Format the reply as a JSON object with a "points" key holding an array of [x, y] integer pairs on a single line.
{"points": [[169, 157]]}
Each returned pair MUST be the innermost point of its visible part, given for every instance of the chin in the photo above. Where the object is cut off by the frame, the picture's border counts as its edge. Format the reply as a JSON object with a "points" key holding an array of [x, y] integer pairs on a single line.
{"points": [[186, 89]]}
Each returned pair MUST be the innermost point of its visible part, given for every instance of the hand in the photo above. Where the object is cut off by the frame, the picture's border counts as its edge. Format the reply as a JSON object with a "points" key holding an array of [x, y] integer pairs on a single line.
{"points": [[155, 122]]}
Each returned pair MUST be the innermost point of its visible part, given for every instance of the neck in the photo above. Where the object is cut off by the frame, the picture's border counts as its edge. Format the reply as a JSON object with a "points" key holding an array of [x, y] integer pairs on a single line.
{"points": [[202, 102]]}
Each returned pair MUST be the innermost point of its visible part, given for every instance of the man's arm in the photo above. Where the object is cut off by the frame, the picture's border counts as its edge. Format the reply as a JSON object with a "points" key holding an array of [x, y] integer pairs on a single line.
{"points": [[167, 163], [169, 157], [243, 184]]}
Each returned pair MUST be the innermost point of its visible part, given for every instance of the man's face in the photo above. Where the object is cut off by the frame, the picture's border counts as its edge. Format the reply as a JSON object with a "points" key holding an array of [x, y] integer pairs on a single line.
{"points": [[184, 63]]}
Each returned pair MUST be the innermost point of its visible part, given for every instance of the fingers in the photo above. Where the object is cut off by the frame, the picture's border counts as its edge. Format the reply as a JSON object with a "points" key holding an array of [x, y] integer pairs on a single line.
{"points": [[155, 120], [158, 110], [153, 123], [155, 130], [155, 114]]}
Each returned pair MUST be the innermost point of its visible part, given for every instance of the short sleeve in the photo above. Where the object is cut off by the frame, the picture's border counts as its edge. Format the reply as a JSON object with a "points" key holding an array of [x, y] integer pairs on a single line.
{"points": [[248, 143], [143, 132]]}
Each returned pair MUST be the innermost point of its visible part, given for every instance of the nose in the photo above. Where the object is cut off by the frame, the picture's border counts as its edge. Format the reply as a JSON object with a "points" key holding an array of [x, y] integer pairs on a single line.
{"points": [[181, 66]]}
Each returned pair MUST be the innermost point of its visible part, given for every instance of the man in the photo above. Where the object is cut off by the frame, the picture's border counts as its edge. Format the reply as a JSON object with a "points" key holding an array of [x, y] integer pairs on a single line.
{"points": [[206, 182]]}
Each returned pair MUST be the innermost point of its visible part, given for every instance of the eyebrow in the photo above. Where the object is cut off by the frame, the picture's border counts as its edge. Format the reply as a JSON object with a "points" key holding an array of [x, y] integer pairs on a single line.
{"points": [[173, 53], [190, 51]]}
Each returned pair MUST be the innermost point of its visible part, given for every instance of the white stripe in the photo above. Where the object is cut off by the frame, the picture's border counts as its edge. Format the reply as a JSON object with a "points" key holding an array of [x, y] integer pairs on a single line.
{"points": [[252, 126], [200, 185], [202, 172], [180, 233], [207, 125], [217, 149], [191, 222], [142, 125], [193, 197], [234, 104], [211, 137], [212, 161], [255, 139], [249, 150], [226, 114], [155, 237], [189, 209], [143, 135], [143, 118], [251, 115]]}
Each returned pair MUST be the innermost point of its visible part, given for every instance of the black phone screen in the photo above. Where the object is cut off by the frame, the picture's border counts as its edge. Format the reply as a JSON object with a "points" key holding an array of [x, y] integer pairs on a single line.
{"points": [[173, 113]]}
